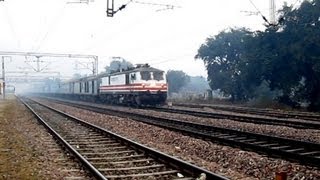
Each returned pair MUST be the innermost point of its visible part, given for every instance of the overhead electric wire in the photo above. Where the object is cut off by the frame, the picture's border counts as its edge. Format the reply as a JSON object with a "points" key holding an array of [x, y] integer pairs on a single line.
{"points": [[51, 26], [255, 7], [140, 20], [155, 4], [166, 59], [295, 3], [168, 6], [263, 17], [9, 20], [38, 35]]}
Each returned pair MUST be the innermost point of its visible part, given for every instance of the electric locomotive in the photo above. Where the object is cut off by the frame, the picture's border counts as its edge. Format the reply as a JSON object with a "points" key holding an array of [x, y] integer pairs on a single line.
{"points": [[142, 85]]}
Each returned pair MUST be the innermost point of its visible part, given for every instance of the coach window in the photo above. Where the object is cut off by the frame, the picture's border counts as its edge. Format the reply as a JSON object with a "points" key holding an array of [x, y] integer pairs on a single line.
{"points": [[158, 75], [80, 87], [127, 78], [86, 87], [145, 75], [92, 87]]}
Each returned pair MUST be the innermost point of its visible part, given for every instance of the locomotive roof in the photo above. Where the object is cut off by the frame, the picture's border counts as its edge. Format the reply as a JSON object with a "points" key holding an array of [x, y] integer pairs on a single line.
{"points": [[148, 69]]}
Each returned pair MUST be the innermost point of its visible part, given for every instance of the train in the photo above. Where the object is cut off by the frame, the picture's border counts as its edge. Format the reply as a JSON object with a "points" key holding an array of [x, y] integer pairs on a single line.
{"points": [[140, 85]]}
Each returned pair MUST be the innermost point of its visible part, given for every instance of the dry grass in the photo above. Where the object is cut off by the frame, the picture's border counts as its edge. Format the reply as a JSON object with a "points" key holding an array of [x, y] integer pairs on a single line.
{"points": [[17, 159]]}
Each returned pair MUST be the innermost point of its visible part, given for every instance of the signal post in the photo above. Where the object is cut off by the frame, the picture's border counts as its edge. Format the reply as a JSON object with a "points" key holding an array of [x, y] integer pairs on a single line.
{"points": [[2, 81]]}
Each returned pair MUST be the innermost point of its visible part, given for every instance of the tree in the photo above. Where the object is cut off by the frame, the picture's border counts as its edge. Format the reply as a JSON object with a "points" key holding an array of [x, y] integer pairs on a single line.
{"points": [[300, 47], [76, 76], [118, 64], [223, 58], [196, 84], [285, 57], [176, 80]]}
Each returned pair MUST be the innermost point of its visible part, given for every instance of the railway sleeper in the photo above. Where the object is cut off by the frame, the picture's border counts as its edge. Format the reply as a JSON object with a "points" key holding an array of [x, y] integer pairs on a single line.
{"points": [[228, 137], [310, 153], [248, 140], [137, 162], [280, 147], [133, 168], [295, 150], [239, 138], [91, 139], [258, 142], [133, 161], [94, 144], [269, 145], [119, 157], [102, 149], [170, 172], [108, 153], [84, 136], [221, 135]]}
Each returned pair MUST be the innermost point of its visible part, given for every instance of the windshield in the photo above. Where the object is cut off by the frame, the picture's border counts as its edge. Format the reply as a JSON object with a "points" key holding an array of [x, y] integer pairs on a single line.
{"points": [[158, 75], [145, 75]]}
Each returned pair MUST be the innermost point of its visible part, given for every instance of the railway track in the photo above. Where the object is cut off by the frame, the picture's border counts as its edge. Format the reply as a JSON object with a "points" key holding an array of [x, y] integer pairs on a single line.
{"points": [[108, 155], [294, 150], [258, 111], [244, 118]]}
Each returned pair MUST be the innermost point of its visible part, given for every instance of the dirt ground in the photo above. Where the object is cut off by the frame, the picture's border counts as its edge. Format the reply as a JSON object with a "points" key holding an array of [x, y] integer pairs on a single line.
{"points": [[26, 147], [18, 160]]}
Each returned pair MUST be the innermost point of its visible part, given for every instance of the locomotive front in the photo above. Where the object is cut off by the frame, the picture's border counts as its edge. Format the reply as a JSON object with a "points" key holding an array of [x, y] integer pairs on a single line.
{"points": [[150, 85], [142, 85]]}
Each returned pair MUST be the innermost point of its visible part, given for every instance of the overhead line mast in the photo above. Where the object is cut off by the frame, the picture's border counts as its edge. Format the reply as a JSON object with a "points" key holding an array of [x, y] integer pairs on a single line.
{"points": [[272, 12], [39, 55]]}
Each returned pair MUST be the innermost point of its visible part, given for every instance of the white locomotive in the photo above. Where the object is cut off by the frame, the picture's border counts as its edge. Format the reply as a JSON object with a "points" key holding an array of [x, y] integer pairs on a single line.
{"points": [[142, 85]]}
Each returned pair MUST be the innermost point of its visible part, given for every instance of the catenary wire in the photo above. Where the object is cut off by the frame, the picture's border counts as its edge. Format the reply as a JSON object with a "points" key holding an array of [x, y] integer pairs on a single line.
{"points": [[51, 26]]}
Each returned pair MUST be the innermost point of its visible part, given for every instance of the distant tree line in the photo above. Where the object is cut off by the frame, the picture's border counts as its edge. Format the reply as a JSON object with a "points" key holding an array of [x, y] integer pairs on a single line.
{"points": [[118, 64], [284, 58], [176, 80]]}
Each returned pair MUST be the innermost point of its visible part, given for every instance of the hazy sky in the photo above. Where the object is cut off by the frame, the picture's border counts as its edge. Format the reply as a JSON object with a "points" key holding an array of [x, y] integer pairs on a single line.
{"points": [[167, 39]]}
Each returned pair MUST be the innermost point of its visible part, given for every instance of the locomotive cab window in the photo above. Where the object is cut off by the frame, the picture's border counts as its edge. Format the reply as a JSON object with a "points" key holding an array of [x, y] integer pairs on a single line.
{"points": [[133, 76], [145, 75], [158, 76]]}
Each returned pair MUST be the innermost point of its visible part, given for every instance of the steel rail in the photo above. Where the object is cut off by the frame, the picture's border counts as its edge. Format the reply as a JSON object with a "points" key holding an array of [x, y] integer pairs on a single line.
{"points": [[89, 166], [243, 118], [290, 149], [171, 161], [257, 111]]}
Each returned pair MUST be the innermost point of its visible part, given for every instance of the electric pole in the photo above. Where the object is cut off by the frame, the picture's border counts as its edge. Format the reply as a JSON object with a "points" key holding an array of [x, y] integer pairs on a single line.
{"points": [[272, 12], [3, 78]]}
